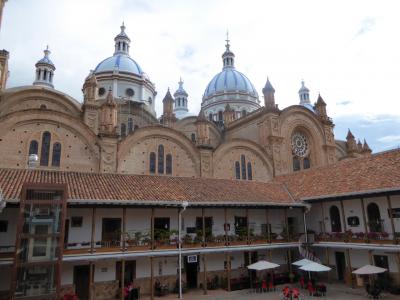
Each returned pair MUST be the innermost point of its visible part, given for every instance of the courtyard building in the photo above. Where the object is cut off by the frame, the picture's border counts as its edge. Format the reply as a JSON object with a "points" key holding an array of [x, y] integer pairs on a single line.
{"points": [[102, 193]]}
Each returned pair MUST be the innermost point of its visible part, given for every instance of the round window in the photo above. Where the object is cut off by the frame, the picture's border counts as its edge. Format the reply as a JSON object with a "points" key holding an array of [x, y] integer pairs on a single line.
{"points": [[102, 91], [299, 144], [129, 92]]}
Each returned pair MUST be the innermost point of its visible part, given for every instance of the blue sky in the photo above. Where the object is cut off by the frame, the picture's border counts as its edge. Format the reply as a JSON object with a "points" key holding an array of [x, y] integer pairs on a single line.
{"points": [[346, 50]]}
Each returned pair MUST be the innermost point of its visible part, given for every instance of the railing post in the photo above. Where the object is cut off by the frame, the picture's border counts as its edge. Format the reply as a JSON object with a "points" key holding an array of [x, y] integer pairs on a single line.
{"points": [[268, 229], [203, 220], [323, 218], [123, 236], [152, 229], [204, 274], [343, 216], [122, 280], [364, 217], [151, 278], [286, 225], [247, 226], [228, 270]]}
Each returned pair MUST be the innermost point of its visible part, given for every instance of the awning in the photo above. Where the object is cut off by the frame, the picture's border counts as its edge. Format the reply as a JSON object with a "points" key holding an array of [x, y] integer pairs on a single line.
{"points": [[315, 267], [302, 262]]}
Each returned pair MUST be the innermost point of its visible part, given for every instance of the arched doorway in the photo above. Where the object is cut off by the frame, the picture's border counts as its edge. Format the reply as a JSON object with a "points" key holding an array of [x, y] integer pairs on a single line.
{"points": [[374, 218], [334, 214]]}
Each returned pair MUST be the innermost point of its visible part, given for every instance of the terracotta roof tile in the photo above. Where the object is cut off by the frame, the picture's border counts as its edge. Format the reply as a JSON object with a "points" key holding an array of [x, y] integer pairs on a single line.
{"points": [[378, 172], [140, 188]]}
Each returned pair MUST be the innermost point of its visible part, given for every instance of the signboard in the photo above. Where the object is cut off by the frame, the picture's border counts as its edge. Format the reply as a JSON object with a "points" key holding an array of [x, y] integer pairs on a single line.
{"points": [[192, 259]]}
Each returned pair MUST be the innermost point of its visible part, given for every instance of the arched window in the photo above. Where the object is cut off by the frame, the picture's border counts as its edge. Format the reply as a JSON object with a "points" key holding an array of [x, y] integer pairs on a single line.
{"points": [[237, 170], [45, 75], [123, 130], [33, 147], [56, 157], [220, 116], [243, 163], [249, 171], [168, 162], [244, 113], [45, 151], [336, 225], [193, 136], [210, 117], [296, 163], [160, 159], [374, 218], [179, 101], [152, 163], [306, 163], [130, 125]]}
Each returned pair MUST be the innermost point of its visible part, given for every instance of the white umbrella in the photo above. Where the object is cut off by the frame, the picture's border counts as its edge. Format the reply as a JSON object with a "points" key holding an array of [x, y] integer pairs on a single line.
{"points": [[368, 270], [302, 262], [262, 265], [315, 267]]}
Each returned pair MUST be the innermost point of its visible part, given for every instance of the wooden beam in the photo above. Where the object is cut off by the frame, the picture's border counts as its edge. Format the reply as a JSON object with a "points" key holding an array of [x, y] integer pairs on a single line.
{"points": [[370, 257], [364, 217], [228, 270], [93, 230], [389, 202], [226, 226], [289, 253], [152, 228], [343, 215], [204, 274], [122, 279], [151, 279]]}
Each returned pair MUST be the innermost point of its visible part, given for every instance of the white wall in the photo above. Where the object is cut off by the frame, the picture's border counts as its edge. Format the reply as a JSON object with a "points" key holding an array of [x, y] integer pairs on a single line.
{"points": [[80, 234]]}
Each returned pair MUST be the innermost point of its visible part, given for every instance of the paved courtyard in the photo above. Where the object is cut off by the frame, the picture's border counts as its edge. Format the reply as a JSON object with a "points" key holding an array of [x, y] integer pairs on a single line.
{"points": [[335, 291]]}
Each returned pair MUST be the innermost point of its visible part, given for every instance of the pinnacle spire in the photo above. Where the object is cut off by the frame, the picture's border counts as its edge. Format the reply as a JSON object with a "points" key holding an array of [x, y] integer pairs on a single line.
{"points": [[45, 70], [122, 42], [349, 136], [228, 58]]}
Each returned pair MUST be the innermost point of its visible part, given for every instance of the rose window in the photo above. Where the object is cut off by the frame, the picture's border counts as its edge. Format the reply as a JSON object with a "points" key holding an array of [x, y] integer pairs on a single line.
{"points": [[299, 144]]}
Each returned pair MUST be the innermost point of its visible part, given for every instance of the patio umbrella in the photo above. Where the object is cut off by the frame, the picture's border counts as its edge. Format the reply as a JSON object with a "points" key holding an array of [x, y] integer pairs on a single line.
{"points": [[259, 266], [262, 265], [302, 262], [315, 267], [368, 270]]}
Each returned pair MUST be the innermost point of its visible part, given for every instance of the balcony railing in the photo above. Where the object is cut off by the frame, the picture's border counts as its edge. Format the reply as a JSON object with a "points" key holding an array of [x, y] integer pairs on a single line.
{"points": [[357, 237], [141, 241]]}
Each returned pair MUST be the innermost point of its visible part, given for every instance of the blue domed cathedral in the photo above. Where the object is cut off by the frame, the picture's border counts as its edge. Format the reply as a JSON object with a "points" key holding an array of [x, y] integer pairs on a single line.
{"points": [[101, 194]]}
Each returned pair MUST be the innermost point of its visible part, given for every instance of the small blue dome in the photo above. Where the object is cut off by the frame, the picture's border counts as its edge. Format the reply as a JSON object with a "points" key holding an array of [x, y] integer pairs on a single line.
{"points": [[230, 80], [120, 62]]}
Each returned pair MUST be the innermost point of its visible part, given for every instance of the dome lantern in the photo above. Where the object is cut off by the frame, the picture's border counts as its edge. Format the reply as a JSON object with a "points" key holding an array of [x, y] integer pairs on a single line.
{"points": [[228, 58], [45, 70], [181, 101], [304, 94], [122, 42]]}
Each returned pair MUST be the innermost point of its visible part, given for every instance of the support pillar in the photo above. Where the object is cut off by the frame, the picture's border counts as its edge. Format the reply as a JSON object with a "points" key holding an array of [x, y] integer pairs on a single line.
{"points": [[226, 226], [204, 274], [364, 217], [349, 268], [122, 294], [248, 226], [267, 224], [289, 253], [327, 263], [389, 202], [93, 230], [152, 229], [286, 225], [124, 233], [323, 218], [91, 279], [151, 279], [343, 215], [203, 220], [228, 270]]}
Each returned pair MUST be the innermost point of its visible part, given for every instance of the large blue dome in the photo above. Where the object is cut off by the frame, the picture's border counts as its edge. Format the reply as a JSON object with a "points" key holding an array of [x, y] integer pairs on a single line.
{"points": [[120, 62], [229, 80]]}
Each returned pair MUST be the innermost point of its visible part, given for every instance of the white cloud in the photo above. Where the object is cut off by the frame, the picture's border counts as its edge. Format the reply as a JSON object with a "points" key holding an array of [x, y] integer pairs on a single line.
{"points": [[390, 139]]}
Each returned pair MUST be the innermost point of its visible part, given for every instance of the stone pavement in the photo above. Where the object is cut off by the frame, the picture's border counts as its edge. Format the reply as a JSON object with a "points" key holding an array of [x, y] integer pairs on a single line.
{"points": [[335, 291]]}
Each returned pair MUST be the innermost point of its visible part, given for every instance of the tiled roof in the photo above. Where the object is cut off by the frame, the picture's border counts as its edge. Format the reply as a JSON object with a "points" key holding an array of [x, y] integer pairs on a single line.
{"points": [[150, 189], [378, 172]]}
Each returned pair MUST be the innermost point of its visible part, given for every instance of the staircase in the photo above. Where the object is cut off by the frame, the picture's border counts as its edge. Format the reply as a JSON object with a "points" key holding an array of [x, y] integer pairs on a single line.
{"points": [[304, 248]]}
